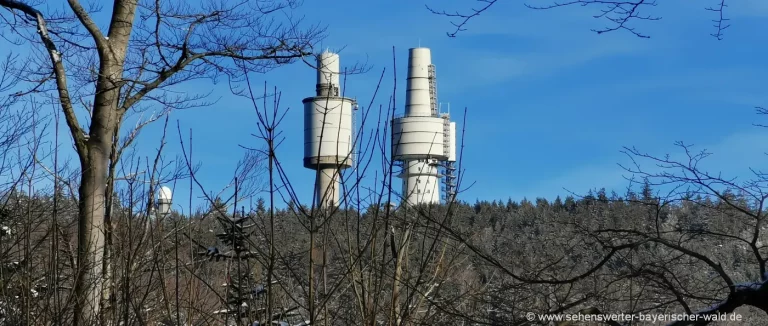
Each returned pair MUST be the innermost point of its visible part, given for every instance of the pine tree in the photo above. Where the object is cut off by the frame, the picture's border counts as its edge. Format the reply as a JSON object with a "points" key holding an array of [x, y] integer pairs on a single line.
{"points": [[601, 196], [245, 297], [478, 207], [570, 204], [511, 205], [647, 193], [558, 203], [261, 207], [541, 202], [590, 197]]}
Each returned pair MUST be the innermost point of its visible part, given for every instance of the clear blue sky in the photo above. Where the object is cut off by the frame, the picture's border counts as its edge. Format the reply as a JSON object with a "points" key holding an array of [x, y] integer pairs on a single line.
{"points": [[550, 103]]}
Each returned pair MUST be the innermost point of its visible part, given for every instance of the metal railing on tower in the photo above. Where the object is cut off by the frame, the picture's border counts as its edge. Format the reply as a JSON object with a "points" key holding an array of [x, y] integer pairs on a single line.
{"points": [[433, 89]]}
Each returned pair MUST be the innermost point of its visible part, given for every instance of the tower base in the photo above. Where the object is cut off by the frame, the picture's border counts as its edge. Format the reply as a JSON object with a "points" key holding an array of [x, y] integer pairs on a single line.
{"points": [[421, 182]]}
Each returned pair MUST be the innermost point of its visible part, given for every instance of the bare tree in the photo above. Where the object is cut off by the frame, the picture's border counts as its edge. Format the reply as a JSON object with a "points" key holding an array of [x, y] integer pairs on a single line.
{"points": [[148, 47], [724, 235], [617, 14]]}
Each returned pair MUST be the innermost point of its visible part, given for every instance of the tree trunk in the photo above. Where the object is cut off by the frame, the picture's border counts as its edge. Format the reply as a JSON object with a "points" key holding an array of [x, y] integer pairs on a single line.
{"points": [[90, 238], [93, 186], [401, 257], [108, 298]]}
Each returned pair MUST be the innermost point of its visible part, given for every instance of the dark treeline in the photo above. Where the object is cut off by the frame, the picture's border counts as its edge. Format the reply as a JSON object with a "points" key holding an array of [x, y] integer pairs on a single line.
{"points": [[487, 263], [84, 242]]}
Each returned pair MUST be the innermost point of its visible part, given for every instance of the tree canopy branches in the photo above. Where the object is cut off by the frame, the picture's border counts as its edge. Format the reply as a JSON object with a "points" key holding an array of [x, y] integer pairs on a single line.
{"points": [[619, 14]]}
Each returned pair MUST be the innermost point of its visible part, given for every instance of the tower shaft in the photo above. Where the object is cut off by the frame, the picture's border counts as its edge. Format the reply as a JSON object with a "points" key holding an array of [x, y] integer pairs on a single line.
{"points": [[327, 187], [328, 131], [421, 182], [420, 137]]}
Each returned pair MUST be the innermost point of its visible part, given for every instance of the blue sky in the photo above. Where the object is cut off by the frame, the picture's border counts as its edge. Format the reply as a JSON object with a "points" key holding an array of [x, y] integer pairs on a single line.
{"points": [[549, 103]]}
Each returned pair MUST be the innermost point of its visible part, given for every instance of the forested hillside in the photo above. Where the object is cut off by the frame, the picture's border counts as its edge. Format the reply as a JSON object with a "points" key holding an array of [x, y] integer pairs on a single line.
{"points": [[90, 233], [483, 263]]}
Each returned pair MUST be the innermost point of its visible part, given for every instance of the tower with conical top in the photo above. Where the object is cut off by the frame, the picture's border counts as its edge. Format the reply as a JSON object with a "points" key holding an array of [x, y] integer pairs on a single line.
{"points": [[423, 140], [328, 131]]}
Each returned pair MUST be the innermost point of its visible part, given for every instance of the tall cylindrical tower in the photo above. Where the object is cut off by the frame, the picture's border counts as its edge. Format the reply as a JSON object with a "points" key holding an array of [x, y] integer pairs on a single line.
{"points": [[417, 95], [419, 137], [328, 134]]}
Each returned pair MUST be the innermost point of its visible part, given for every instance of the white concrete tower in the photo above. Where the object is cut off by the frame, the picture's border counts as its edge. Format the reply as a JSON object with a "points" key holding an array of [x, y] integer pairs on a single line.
{"points": [[328, 125], [421, 139]]}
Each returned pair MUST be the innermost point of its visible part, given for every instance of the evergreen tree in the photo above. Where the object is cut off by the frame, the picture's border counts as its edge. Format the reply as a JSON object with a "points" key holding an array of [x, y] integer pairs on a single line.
{"points": [[261, 207], [601, 196], [570, 204], [512, 205], [558, 203], [525, 203], [647, 192], [244, 295], [541, 202], [478, 207]]}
